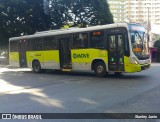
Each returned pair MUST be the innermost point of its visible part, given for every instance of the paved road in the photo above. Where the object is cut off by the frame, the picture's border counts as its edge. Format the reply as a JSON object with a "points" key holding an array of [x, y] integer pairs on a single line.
{"points": [[22, 91]]}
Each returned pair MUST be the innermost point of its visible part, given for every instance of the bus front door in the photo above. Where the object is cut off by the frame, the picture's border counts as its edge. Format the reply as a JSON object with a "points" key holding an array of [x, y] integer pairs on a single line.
{"points": [[115, 53], [65, 53], [22, 45]]}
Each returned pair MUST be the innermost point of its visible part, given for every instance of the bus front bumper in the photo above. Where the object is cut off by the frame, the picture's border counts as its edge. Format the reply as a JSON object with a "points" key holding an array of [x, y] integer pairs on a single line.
{"points": [[145, 67]]}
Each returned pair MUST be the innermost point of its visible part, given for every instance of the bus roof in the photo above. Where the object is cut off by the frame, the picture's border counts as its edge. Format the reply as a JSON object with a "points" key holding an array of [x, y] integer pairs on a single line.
{"points": [[70, 30]]}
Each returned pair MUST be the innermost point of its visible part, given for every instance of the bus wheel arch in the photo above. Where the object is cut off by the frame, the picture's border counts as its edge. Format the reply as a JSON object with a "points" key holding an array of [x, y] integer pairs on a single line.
{"points": [[99, 67], [36, 66]]}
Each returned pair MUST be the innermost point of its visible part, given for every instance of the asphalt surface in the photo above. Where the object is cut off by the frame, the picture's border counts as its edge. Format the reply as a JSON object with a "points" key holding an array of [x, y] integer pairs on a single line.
{"points": [[22, 91]]}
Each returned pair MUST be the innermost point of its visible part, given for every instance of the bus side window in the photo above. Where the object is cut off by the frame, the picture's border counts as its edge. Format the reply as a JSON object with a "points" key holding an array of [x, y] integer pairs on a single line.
{"points": [[85, 40], [13, 46], [97, 39], [112, 43], [28, 45], [32, 44], [49, 43], [39, 43], [80, 40], [36, 44]]}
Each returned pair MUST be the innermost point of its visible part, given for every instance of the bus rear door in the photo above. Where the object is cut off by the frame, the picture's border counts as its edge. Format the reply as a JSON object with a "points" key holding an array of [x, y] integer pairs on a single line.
{"points": [[22, 46], [65, 53]]}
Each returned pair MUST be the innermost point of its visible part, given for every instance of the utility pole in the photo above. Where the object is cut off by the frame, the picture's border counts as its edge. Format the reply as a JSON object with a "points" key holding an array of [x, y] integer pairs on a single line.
{"points": [[148, 25]]}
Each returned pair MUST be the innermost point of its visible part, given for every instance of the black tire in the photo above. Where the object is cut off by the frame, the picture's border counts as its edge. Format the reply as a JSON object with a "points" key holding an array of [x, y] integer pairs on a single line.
{"points": [[37, 67], [100, 69], [118, 73]]}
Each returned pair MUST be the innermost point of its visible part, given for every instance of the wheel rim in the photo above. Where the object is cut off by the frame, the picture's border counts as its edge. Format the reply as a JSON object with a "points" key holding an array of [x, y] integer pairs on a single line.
{"points": [[100, 69], [37, 67]]}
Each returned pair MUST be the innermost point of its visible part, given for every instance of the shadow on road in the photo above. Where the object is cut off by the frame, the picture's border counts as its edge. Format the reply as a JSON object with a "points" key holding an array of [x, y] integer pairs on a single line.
{"points": [[77, 74], [57, 91], [91, 74]]}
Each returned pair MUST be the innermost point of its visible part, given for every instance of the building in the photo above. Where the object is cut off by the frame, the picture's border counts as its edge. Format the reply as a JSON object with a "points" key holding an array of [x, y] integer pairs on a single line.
{"points": [[118, 9], [143, 11], [139, 11]]}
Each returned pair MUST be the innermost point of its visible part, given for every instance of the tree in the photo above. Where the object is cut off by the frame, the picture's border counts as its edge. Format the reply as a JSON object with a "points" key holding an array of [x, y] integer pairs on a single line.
{"points": [[80, 12], [101, 13], [59, 13], [157, 45], [20, 17]]}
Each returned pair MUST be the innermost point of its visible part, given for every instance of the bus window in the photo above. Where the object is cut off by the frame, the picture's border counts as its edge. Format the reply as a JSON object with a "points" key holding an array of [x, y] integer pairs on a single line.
{"points": [[112, 43], [120, 44], [36, 44], [97, 39], [28, 45], [13, 46], [49, 43], [80, 40]]}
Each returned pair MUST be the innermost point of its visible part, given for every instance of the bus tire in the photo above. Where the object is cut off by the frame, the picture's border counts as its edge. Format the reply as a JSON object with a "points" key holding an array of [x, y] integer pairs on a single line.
{"points": [[118, 73], [37, 67], [100, 69]]}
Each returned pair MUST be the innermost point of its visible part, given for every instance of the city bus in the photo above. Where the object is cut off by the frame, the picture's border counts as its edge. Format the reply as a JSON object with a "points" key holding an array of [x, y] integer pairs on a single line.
{"points": [[117, 48]]}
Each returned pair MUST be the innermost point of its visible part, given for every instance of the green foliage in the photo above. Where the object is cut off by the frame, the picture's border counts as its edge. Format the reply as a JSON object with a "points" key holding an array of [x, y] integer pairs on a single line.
{"points": [[80, 13], [157, 45], [156, 36], [101, 12], [20, 17], [59, 13]]}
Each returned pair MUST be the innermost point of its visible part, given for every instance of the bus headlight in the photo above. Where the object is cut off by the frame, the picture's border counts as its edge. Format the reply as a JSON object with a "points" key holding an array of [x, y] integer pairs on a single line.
{"points": [[133, 61]]}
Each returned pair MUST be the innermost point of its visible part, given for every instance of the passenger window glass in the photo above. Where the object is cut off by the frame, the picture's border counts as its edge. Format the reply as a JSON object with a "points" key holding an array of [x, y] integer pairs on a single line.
{"points": [[80, 40], [120, 43], [112, 43], [49, 43], [97, 39], [36, 44], [28, 45], [13, 46]]}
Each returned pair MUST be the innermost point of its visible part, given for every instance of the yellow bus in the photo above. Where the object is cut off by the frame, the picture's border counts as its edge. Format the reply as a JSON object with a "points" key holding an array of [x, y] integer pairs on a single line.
{"points": [[118, 48]]}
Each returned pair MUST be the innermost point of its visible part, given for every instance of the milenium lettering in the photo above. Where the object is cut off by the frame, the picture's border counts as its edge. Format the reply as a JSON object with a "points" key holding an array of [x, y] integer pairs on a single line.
{"points": [[80, 55]]}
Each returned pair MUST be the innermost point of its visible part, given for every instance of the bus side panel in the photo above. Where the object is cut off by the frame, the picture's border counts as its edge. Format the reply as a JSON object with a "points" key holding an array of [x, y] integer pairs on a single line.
{"points": [[34, 55], [129, 67], [82, 58], [14, 59], [51, 59]]}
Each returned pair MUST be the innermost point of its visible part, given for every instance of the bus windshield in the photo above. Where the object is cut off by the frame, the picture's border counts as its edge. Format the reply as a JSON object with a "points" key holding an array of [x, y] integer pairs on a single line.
{"points": [[139, 42]]}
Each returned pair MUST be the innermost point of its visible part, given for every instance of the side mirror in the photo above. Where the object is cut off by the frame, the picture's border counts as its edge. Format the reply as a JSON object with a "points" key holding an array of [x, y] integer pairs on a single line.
{"points": [[133, 39]]}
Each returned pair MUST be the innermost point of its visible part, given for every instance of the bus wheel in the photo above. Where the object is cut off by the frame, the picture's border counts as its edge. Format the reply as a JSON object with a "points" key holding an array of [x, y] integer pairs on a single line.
{"points": [[37, 67], [100, 69], [118, 73]]}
